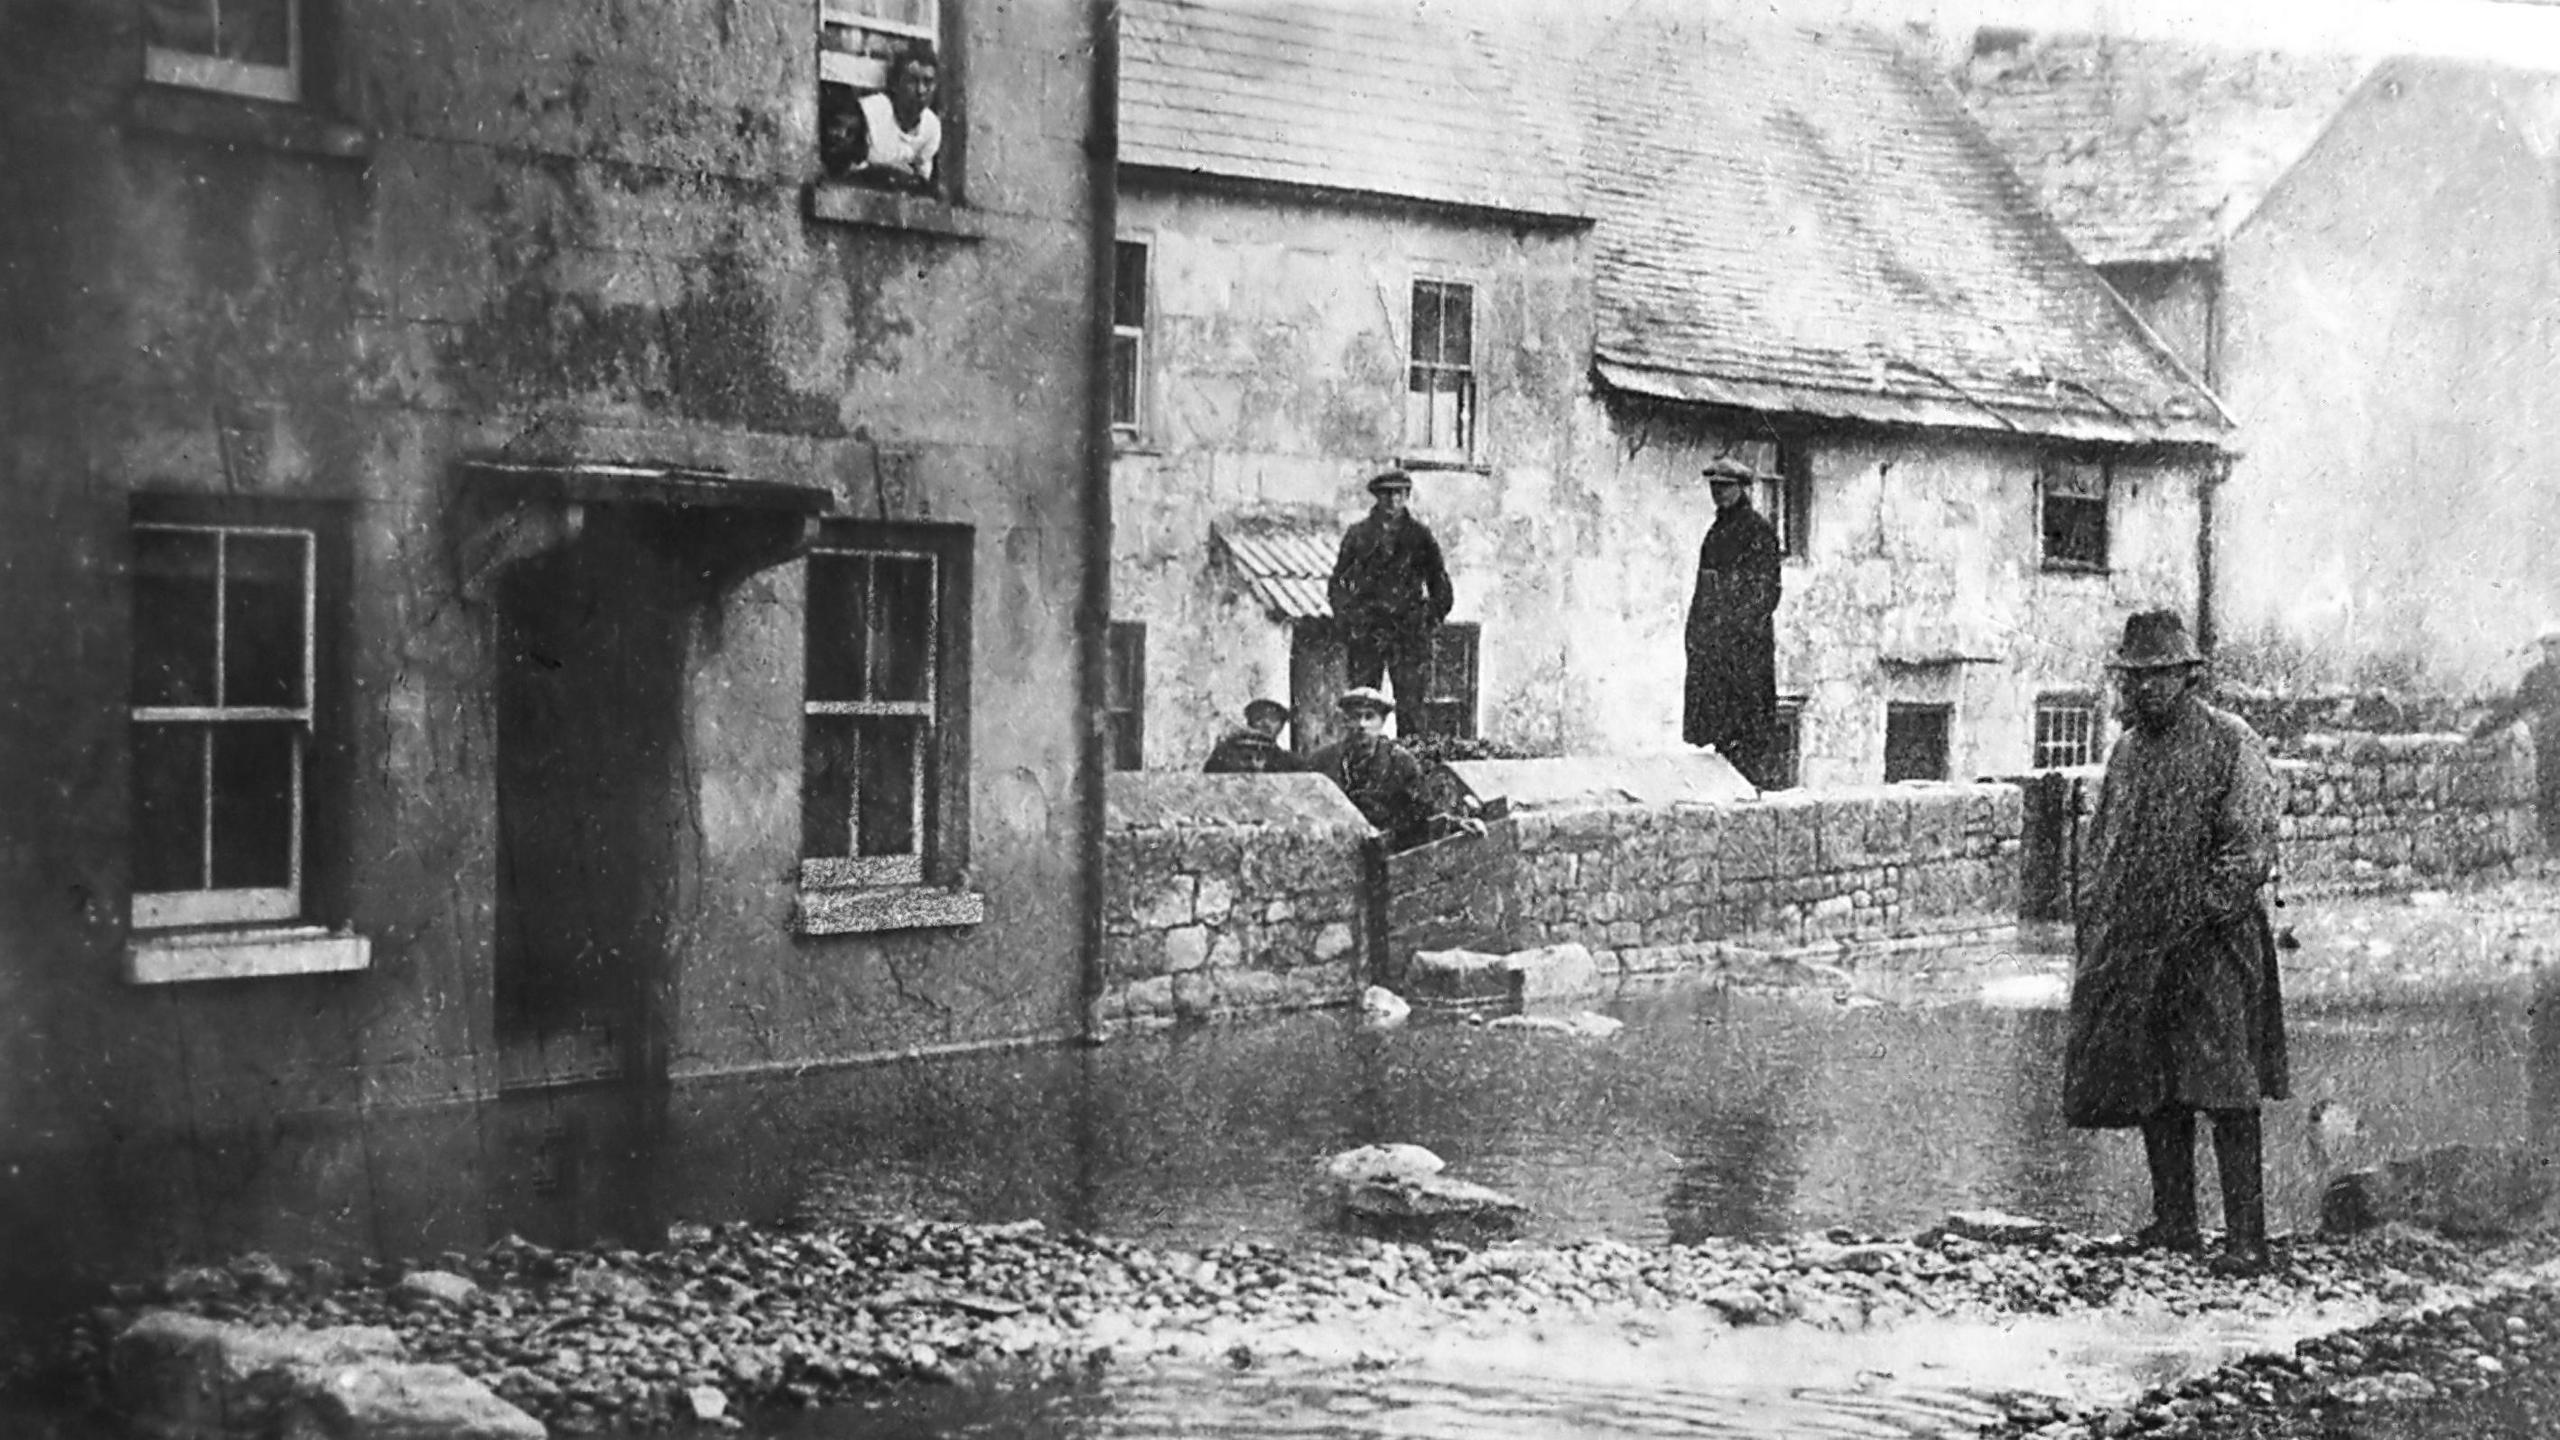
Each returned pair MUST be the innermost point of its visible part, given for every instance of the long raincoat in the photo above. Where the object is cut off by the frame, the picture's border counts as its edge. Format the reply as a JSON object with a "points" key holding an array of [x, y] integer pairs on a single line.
{"points": [[1730, 699], [2174, 994]]}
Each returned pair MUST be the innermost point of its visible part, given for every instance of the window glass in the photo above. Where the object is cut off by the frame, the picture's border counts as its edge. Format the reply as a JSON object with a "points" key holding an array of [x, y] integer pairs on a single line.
{"points": [[1440, 382], [2074, 504], [1915, 742], [245, 47], [873, 712]]}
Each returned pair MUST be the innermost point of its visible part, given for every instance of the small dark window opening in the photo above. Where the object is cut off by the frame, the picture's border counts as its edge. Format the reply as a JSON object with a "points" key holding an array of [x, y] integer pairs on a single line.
{"points": [[1125, 695], [1915, 741], [1449, 694], [2073, 511], [1786, 745]]}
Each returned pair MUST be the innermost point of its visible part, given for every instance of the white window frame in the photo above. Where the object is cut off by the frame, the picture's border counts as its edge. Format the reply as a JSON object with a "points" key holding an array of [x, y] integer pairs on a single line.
{"points": [[885, 870], [863, 72], [1421, 427], [2059, 706], [1135, 338], [170, 909], [163, 65]]}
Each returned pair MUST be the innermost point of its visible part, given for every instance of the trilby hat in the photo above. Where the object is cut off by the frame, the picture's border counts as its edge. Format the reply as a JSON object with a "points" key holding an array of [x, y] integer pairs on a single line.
{"points": [[2155, 640]]}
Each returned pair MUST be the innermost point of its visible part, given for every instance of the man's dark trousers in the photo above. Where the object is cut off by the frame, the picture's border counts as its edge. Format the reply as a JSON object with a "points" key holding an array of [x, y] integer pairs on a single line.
{"points": [[1406, 660]]}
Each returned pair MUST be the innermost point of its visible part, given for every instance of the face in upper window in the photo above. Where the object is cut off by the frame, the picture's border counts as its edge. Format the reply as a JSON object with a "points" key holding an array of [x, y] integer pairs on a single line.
{"points": [[912, 84]]}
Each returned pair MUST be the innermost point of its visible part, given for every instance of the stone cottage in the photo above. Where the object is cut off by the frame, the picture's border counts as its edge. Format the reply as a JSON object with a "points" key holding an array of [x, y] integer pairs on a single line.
{"points": [[2359, 258], [522, 576], [1551, 268]]}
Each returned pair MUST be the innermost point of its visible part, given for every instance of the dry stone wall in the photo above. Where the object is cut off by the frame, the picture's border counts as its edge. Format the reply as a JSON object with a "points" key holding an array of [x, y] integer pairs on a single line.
{"points": [[1676, 886], [1225, 894], [2386, 812]]}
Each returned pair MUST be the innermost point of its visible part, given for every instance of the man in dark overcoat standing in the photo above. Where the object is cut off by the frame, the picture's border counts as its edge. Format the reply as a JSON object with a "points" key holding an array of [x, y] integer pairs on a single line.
{"points": [[1389, 592], [2175, 1005], [1731, 698]]}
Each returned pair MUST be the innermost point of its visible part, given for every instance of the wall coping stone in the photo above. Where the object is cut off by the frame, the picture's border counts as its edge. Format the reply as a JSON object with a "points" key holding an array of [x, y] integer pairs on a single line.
{"points": [[1178, 799]]}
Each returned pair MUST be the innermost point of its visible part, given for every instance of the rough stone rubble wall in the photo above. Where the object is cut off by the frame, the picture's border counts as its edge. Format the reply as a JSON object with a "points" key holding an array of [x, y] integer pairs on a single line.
{"points": [[1204, 918], [1208, 919], [2385, 812], [1674, 887]]}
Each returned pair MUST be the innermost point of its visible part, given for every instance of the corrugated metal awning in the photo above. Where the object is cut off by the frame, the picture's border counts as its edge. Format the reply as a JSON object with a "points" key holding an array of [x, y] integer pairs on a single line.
{"points": [[1284, 561]]}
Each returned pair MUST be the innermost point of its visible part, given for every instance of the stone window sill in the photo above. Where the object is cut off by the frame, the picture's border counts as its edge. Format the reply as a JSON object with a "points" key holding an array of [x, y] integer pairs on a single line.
{"points": [[1441, 460], [220, 119], [842, 204], [172, 957], [855, 910]]}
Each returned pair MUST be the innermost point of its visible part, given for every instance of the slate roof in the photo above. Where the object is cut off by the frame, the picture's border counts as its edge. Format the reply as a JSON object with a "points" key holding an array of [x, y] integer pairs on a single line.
{"points": [[1399, 101], [1799, 220], [1784, 219], [2147, 150], [1284, 559]]}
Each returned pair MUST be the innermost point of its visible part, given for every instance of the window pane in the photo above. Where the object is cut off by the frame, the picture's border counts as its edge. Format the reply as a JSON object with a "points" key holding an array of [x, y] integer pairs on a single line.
{"points": [[901, 639], [262, 642], [1426, 323], [1129, 284], [1457, 325], [253, 769], [173, 617], [257, 31], [168, 807], [838, 591], [827, 746], [1124, 381], [886, 777]]}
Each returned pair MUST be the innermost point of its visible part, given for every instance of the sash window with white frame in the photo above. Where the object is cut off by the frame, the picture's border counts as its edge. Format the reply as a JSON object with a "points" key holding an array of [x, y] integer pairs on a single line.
{"points": [[1440, 378], [251, 48], [222, 719], [1128, 339], [869, 729]]}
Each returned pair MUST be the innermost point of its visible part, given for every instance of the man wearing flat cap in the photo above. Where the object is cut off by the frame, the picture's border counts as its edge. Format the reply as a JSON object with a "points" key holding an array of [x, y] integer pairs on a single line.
{"points": [[1389, 592], [1255, 749], [1383, 780], [1731, 697], [2175, 1004]]}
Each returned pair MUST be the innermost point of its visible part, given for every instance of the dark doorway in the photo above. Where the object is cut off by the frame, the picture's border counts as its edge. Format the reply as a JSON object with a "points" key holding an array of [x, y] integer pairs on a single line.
{"points": [[591, 646], [1915, 741]]}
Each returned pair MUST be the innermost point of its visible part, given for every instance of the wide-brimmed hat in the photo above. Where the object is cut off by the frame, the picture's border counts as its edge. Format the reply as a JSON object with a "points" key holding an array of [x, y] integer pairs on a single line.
{"points": [[1734, 470], [1365, 697], [1386, 480], [2155, 640], [1267, 709]]}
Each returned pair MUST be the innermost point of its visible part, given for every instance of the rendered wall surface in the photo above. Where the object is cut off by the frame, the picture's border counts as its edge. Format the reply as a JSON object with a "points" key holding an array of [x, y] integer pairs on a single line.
{"points": [[523, 233]]}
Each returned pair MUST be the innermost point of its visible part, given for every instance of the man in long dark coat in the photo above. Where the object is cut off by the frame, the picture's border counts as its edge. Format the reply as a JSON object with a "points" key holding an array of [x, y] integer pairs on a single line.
{"points": [[2175, 1005], [1389, 592], [2536, 702], [1731, 698]]}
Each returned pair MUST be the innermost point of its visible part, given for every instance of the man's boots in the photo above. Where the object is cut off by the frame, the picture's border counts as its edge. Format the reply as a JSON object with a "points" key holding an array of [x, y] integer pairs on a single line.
{"points": [[2169, 1148], [2237, 1160]]}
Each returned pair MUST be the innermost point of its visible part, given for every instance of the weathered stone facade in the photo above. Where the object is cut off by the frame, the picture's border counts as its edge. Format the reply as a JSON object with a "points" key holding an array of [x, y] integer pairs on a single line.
{"points": [[1231, 893]]}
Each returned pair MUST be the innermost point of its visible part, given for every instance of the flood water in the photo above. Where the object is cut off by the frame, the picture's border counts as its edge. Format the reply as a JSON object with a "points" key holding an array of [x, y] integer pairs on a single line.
{"points": [[1714, 1112]]}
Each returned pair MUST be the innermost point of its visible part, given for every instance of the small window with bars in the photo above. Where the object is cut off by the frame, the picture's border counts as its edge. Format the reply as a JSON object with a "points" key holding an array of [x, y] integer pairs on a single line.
{"points": [[251, 48], [1915, 741], [2073, 512], [1129, 339], [1125, 695], [2066, 730], [1440, 378], [868, 731], [222, 721]]}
